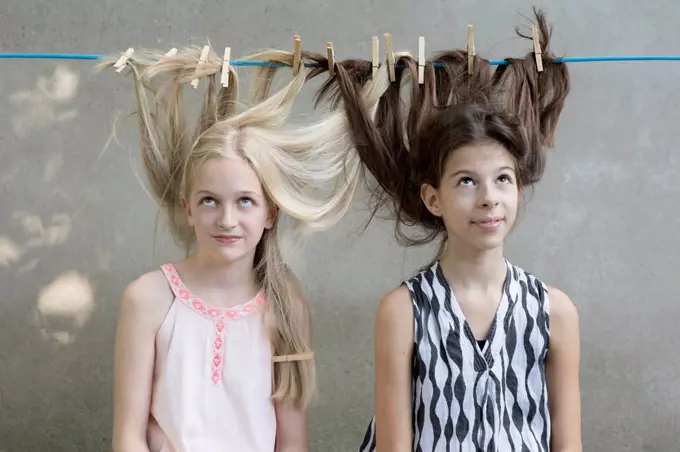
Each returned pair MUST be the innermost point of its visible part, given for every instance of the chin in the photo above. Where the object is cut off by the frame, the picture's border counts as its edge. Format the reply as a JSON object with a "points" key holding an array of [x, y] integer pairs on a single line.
{"points": [[487, 246], [488, 243], [224, 254], [231, 255]]}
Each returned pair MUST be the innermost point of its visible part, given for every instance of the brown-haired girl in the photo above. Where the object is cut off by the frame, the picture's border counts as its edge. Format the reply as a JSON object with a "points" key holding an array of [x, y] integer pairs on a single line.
{"points": [[472, 353]]}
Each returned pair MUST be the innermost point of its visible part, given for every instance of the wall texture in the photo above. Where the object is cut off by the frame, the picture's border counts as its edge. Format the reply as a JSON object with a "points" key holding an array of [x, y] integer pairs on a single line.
{"points": [[75, 226]]}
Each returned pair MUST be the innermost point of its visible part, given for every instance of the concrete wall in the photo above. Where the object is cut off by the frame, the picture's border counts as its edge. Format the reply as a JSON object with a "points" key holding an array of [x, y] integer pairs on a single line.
{"points": [[75, 226]]}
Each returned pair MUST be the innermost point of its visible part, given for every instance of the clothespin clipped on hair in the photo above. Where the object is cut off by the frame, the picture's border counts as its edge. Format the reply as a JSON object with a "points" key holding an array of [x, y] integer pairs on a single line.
{"points": [[375, 55], [201, 61], [390, 56], [291, 358], [421, 59], [537, 47], [297, 55], [471, 47], [123, 60], [331, 58], [172, 52], [225, 67]]}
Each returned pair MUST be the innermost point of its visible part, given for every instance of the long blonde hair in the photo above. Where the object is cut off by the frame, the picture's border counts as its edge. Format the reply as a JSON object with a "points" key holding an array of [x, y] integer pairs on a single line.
{"points": [[310, 173]]}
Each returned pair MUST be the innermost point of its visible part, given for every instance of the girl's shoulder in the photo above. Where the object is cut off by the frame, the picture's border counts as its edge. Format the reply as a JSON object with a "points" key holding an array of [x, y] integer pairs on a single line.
{"points": [[534, 285], [151, 285], [147, 299], [557, 301]]}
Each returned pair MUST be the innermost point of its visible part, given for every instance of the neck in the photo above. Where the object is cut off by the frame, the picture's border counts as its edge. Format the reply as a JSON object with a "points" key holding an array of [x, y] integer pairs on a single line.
{"points": [[223, 274], [473, 269]]}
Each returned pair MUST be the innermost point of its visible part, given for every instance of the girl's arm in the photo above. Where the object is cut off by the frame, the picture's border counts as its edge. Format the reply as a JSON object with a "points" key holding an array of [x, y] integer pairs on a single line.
{"points": [[291, 429], [141, 312], [563, 373], [393, 353]]}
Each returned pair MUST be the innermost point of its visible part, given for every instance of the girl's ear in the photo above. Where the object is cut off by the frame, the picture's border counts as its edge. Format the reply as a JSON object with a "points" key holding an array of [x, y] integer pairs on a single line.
{"points": [[187, 210], [272, 217], [430, 197]]}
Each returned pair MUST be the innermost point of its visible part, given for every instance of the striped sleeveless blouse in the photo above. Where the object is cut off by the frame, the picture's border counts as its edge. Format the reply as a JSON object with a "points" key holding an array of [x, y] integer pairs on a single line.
{"points": [[473, 397]]}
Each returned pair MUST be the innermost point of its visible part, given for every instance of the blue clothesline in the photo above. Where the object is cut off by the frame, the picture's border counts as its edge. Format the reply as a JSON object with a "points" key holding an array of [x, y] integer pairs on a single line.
{"points": [[66, 56]]}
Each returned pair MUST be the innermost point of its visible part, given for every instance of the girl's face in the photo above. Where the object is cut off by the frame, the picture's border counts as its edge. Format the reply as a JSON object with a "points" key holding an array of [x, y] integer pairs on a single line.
{"points": [[227, 208], [477, 197]]}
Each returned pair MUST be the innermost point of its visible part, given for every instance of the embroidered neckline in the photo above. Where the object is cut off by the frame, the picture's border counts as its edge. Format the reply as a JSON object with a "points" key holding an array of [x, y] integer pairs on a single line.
{"points": [[219, 315], [206, 309]]}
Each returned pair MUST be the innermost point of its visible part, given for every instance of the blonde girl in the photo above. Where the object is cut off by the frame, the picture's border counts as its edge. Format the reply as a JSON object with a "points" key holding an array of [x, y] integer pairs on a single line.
{"points": [[195, 338]]}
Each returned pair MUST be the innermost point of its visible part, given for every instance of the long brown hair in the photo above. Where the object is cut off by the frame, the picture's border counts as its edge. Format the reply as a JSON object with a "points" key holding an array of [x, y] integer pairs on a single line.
{"points": [[515, 102], [384, 141]]}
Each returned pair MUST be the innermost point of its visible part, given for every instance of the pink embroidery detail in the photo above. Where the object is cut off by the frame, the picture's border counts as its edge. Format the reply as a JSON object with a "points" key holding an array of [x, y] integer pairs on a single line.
{"points": [[216, 314], [217, 360]]}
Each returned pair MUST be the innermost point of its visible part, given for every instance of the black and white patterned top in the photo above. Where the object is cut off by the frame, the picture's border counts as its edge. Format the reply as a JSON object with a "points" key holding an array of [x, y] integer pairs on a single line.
{"points": [[472, 399]]}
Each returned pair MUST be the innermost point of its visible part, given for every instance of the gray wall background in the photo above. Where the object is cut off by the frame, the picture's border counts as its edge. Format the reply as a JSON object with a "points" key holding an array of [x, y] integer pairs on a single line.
{"points": [[76, 227]]}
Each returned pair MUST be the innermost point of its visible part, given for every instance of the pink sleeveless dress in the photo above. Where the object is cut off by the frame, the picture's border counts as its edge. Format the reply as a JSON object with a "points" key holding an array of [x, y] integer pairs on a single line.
{"points": [[212, 378]]}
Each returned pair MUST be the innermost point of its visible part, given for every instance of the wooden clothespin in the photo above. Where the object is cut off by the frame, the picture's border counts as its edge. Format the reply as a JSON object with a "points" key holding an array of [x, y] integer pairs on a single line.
{"points": [[225, 67], [376, 55], [471, 47], [537, 47], [201, 61], [291, 358], [297, 55], [421, 60], [390, 56], [123, 60], [331, 58]]}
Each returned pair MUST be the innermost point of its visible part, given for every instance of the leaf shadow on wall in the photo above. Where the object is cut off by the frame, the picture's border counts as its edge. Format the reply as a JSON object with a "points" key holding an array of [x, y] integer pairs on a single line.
{"points": [[56, 334]]}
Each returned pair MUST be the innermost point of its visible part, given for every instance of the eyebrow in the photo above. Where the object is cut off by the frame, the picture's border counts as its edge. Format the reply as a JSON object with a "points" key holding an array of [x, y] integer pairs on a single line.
{"points": [[463, 171], [242, 192]]}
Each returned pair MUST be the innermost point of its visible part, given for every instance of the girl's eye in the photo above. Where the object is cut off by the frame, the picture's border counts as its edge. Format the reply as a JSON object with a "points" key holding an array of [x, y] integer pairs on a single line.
{"points": [[465, 181], [505, 178], [246, 201], [208, 201]]}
